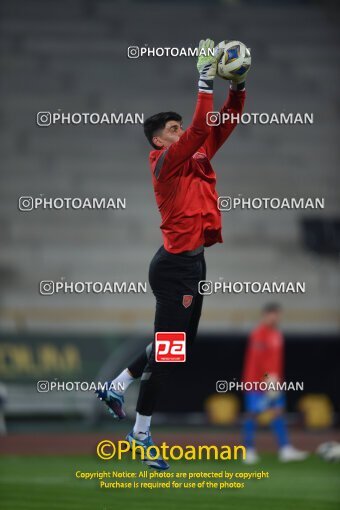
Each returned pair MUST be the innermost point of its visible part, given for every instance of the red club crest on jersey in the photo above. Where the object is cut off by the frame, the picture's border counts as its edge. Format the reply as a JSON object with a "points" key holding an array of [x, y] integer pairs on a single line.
{"points": [[187, 300]]}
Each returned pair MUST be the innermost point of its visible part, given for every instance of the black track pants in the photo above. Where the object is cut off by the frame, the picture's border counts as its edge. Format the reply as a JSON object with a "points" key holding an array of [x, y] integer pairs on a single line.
{"points": [[172, 278]]}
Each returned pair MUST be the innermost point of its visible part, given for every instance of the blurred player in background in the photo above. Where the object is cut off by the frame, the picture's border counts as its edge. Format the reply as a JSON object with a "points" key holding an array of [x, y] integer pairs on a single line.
{"points": [[264, 361]]}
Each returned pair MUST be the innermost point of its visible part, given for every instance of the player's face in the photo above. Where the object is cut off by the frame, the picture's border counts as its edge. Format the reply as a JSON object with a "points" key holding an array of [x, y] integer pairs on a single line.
{"points": [[170, 134], [272, 319]]}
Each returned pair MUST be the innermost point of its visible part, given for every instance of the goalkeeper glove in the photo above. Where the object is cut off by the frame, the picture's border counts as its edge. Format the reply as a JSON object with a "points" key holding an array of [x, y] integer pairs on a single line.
{"points": [[207, 64]]}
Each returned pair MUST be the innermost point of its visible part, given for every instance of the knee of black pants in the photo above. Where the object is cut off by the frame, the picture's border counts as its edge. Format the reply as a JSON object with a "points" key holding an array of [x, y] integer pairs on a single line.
{"points": [[157, 370], [136, 368]]}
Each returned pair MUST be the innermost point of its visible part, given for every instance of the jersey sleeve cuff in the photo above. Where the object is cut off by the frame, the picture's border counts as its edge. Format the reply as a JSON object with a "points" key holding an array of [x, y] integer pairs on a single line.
{"points": [[237, 86]]}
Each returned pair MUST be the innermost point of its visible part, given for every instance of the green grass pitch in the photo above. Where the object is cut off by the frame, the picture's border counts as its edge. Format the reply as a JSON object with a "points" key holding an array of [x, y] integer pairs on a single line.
{"points": [[48, 483]]}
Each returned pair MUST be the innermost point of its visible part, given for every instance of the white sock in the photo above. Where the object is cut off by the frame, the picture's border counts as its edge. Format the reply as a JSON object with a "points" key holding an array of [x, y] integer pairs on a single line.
{"points": [[142, 425], [122, 382]]}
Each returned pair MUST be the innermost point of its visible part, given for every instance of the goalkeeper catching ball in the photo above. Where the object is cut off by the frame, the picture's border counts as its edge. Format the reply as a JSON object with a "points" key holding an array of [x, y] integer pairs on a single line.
{"points": [[184, 185]]}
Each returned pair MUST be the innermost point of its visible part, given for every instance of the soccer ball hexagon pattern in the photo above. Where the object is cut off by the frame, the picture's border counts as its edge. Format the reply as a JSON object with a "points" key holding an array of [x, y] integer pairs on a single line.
{"points": [[235, 60]]}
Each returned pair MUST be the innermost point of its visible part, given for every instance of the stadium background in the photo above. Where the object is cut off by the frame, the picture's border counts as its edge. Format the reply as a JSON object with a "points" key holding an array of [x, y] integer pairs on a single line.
{"points": [[72, 56]]}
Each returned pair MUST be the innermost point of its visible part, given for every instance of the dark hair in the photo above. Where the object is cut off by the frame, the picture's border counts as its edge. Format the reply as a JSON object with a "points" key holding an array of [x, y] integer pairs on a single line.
{"points": [[157, 122], [271, 307]]}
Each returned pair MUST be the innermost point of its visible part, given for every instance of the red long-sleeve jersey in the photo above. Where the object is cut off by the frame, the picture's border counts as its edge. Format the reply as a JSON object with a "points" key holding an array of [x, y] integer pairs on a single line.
{"points": [[264, 354], [184, 180]]}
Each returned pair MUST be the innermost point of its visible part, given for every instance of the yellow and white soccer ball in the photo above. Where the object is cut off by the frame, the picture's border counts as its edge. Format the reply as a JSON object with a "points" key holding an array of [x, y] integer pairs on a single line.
{"points": [[234, 62]]}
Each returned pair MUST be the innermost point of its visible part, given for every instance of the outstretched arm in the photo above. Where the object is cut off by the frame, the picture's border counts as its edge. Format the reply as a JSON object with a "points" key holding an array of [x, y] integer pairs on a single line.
{"points": [[219, 134], [170, 159]]}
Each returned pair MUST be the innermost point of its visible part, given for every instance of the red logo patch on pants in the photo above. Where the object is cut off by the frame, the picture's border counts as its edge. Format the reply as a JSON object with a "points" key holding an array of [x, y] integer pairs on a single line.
{"points": [[170, 347], [187, 300]]}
